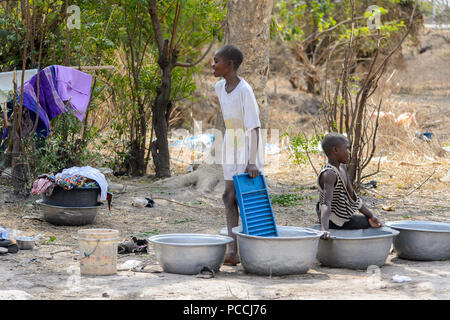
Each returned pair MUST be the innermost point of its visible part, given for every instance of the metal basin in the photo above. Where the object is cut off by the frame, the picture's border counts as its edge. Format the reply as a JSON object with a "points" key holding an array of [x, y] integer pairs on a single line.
{"points": [[189, 253], [76, 197], [25, 243], [69, 216], [292, 252], [355, 249], [422, 240]]}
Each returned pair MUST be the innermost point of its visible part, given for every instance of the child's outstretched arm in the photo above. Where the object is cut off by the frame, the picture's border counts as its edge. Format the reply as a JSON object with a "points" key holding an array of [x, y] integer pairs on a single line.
{"points": [[373, 221], [328, 180], [252, 169]]}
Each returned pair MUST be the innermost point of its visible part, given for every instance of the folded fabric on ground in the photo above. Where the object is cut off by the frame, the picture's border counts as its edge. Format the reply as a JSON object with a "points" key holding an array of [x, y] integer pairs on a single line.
{"points": [[58, 85]]}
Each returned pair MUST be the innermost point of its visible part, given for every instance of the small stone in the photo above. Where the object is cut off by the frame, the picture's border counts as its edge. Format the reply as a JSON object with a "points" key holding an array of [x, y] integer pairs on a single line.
{"points": [[116, 188], [106, 171], [105, 295], [3, 250], [446, 178]]}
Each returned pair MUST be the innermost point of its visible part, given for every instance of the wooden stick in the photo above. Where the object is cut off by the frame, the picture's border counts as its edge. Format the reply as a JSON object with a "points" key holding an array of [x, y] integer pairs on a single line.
{"points": [[177, 202]]}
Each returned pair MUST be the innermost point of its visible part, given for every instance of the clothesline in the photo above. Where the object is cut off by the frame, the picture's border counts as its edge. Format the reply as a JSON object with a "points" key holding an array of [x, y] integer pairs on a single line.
{"points": [[6, 78], [93, 67]]}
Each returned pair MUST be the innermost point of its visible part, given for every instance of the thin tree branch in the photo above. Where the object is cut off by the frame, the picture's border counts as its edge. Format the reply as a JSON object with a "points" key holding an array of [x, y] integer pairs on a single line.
{"points": [[175, 26], [156, 24], [38, 68], [188, 65]]}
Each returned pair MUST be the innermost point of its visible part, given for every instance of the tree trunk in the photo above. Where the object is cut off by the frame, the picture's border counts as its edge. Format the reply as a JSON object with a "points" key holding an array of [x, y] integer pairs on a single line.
{"points": [[253, 40], [161, 112], [248, 28], [18, 162]]}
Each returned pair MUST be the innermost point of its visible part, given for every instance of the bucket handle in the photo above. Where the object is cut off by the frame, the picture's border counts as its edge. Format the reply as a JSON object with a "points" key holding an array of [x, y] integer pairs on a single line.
{"points": [[88, 255]]}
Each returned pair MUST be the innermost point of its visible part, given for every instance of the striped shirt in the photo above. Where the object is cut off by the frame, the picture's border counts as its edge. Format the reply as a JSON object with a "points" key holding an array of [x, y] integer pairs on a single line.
{"points": [[342, 204]]}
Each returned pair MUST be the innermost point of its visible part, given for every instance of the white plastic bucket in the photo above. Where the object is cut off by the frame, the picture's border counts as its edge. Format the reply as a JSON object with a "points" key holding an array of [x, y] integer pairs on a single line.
{"points": [[98, 251]]}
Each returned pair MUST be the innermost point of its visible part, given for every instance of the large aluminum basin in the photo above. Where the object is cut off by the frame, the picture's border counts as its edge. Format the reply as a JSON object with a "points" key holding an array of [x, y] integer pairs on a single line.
{"points": [[292, 252], [422, 240], [355, 249], [68, 216], [189, 253]]}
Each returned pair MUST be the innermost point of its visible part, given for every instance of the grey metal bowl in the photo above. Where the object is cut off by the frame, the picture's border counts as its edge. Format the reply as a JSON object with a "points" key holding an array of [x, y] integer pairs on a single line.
{"points": [[189, 253], [422, 240], [68, 216], [25, 243], [355, 249], [292, 252]]}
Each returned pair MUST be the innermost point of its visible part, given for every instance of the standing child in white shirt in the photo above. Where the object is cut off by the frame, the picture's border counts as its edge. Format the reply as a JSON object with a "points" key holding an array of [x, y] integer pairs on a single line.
{"points": [[240, 149]]}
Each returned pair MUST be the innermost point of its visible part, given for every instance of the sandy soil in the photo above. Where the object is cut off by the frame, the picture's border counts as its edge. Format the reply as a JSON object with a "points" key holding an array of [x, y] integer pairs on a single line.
{"points": [[410, 186], [38, 274]]}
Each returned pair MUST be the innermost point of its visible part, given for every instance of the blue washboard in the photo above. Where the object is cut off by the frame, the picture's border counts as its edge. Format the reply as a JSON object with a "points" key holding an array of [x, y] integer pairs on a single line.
{"points": [[254, 206]]}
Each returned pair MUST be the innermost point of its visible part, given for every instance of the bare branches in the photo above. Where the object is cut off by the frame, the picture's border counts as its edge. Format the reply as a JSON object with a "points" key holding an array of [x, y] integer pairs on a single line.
{"points": [[156, 24], [348, 109], [188, 65], [24, 61], [175, 26], [43, 27]]}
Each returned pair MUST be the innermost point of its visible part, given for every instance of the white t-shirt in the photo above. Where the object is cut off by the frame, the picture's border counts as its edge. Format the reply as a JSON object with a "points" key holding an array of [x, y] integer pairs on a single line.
{"points": [[241, 115]]}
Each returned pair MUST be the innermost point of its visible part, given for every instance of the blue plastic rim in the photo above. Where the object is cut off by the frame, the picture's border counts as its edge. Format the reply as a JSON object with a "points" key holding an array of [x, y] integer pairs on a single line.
{"points": [[254, 206]]}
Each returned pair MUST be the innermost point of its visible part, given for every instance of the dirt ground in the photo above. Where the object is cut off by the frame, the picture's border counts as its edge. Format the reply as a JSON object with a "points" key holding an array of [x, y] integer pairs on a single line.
{"points": [[410, 185]]}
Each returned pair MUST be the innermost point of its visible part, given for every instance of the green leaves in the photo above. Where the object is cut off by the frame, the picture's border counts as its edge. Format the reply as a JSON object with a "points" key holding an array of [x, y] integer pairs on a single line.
{"points": [[300, 145], [289, 199], [147, 233], [50, 240]]}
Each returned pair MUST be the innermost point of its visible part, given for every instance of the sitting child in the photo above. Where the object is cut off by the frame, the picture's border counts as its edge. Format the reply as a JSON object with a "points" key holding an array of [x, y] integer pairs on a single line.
{"points": [[338, 201]]}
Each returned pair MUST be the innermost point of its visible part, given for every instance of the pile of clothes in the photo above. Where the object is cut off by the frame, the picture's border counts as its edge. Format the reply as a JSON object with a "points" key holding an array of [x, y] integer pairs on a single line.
{"points": [[75, 177]]}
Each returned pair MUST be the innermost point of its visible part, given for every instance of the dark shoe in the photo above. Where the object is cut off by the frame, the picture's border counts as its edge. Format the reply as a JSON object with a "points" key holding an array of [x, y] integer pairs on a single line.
{"points": [[5, 243], [8, 244], [14, 248]]}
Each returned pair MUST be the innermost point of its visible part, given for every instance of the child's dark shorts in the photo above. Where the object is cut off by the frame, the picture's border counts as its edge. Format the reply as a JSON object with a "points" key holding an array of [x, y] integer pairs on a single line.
{"points": [[357, 221]]}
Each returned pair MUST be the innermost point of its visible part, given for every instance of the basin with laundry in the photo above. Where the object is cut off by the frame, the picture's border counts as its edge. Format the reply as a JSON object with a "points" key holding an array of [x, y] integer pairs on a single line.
{"points": [[72, 196]]}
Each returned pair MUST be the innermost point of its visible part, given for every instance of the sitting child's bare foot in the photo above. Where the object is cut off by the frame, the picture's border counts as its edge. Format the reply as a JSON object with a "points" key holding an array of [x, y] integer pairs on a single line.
{"points": [[231, 260], [375, 223]]}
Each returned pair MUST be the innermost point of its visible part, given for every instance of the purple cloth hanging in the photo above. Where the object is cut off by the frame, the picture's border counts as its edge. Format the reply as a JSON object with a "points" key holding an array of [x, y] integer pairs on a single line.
{"points": [[49, 100], [50, 104], [57, 85], [74, 86]]}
